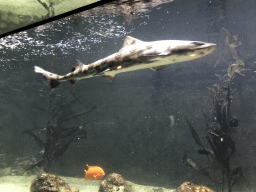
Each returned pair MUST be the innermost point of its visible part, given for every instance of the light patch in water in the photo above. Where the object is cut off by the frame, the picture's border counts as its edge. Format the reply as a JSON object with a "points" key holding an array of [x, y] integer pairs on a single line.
{"points": [[172, 120]]}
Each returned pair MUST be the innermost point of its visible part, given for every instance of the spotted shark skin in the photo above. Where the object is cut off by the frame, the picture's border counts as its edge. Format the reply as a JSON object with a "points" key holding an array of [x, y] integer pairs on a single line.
{"points": [[134, 55]]}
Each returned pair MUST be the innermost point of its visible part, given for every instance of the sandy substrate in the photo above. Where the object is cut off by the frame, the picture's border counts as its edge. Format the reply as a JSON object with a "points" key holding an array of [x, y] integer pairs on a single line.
{"points": [[22, 184]]}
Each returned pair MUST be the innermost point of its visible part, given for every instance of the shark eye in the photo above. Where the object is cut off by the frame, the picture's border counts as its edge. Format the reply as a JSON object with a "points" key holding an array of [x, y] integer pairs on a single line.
{"points": [[198, 43]]}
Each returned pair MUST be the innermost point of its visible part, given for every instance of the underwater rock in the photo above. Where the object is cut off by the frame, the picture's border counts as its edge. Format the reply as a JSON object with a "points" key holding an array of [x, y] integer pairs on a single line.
{"points": [[50, 183], [114, 182], [190, 187]]}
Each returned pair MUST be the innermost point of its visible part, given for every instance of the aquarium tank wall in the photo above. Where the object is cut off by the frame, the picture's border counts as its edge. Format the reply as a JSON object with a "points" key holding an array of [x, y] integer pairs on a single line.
{"points": [[152, 95]]}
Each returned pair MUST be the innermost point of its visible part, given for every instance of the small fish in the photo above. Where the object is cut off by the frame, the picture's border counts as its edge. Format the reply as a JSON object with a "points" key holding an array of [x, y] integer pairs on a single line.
{"points": [[94, 172], [134, 55]]}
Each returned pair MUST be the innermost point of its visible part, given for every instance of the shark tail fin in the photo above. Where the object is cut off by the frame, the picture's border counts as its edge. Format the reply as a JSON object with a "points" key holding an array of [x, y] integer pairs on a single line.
{"points": [[51, 78]]}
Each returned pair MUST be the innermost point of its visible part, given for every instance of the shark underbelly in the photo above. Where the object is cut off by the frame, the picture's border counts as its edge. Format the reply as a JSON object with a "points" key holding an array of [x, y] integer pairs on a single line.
{"points": [[153, 62]]}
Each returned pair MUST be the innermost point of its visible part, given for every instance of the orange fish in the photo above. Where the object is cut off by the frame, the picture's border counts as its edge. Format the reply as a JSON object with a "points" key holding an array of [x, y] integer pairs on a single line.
{"points": [[94, 172]]}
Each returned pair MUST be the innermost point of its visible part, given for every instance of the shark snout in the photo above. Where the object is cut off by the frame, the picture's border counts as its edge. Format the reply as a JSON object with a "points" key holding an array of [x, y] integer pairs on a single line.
{"points": [[198, 43], [209, 47], [201, 44]]}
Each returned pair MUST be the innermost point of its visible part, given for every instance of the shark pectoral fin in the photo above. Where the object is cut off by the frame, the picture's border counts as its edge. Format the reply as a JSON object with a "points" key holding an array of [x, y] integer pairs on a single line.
{"points": [[77, 65], [53, 83], [109, 77], [100, 73], [159, 68], [130, 41], [73, 82]]}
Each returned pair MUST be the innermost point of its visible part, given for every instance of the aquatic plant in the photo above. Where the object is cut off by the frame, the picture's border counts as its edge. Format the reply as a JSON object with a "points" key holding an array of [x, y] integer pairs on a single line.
{"points": [[221, 145], [58, 137]]}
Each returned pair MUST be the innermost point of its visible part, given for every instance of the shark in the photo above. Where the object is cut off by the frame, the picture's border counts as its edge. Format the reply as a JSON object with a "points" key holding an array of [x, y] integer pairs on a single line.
{"points": [[134, 55]]}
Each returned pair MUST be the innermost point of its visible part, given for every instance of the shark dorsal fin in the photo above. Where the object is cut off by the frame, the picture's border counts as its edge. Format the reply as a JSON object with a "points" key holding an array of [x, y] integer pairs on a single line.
{"points": [[77, 65], [130, 41]]}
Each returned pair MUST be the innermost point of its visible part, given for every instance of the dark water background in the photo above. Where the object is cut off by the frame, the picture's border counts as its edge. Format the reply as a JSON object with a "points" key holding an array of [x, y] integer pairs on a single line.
{"points": [[131, 131]]}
